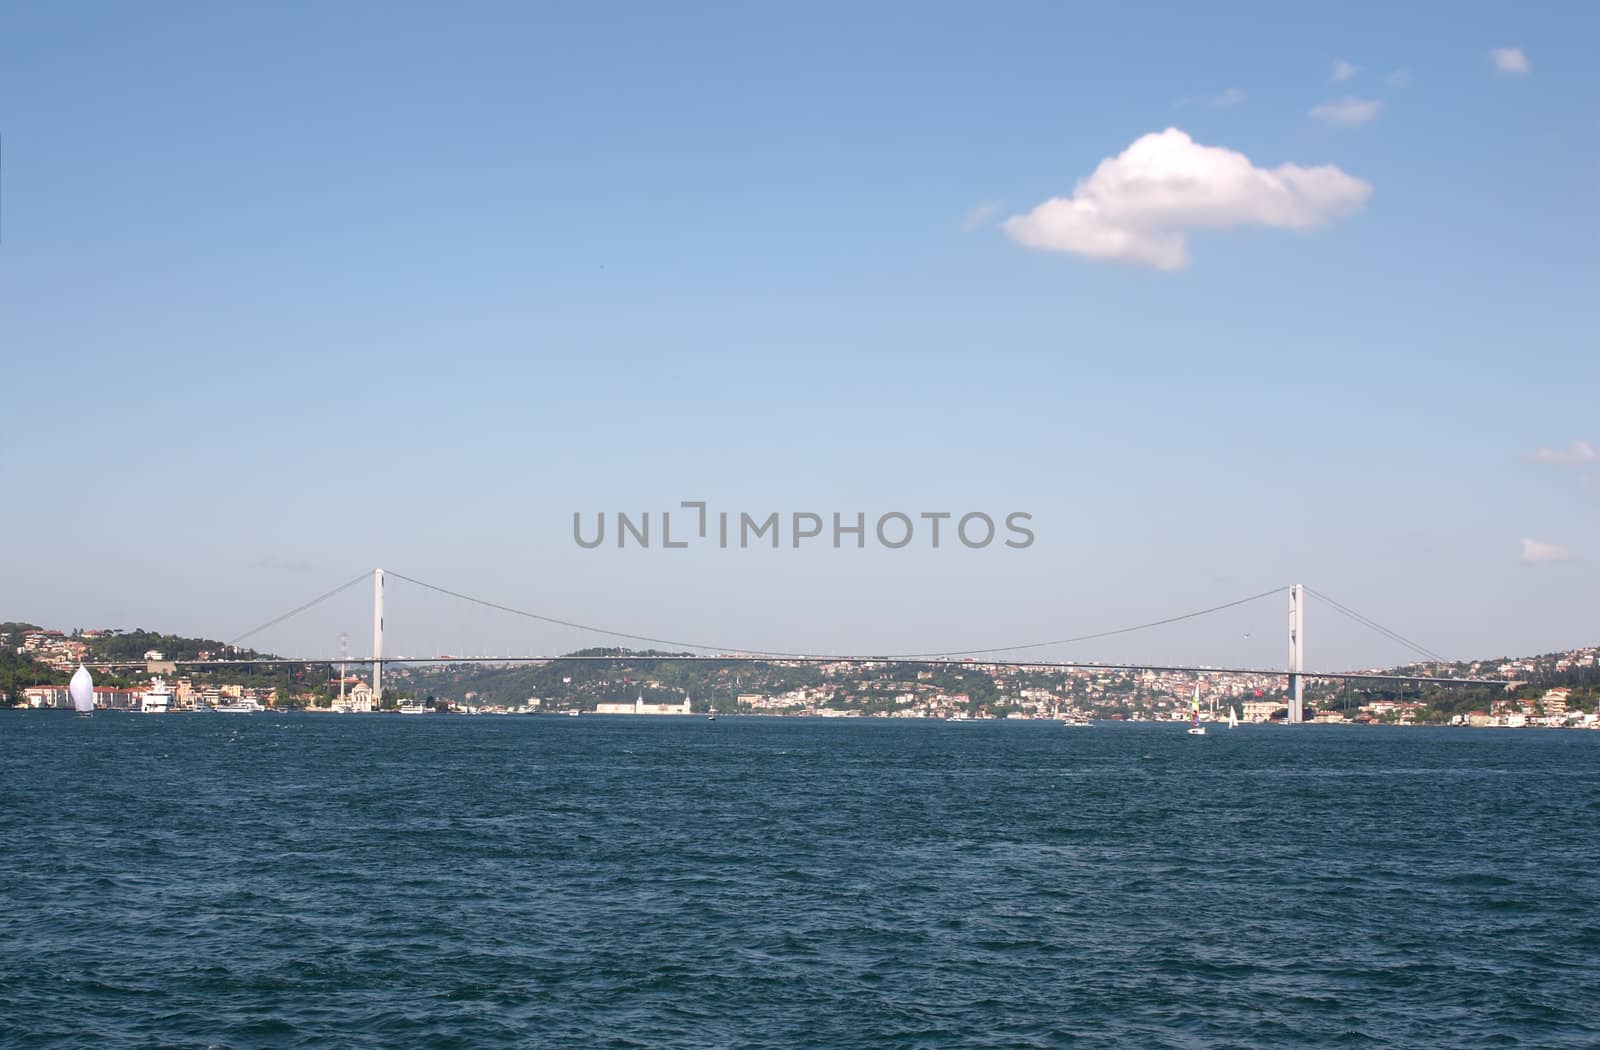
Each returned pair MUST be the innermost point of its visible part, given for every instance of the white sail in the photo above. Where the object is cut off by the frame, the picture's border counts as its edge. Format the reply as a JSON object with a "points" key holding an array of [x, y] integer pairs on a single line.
{"points": [[1233, 718], [82, 690]]}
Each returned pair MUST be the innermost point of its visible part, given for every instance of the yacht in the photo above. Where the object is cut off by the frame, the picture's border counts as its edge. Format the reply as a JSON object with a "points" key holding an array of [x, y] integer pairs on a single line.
{"points": [[157, 699]]}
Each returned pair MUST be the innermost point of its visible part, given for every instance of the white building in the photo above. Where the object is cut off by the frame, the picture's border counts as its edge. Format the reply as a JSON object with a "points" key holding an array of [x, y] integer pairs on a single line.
{"points": [[358, 701], [1261, 710], [639, 707]]}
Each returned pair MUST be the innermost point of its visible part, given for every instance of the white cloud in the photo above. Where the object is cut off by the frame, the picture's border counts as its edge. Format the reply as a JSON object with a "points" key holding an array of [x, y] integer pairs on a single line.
{"points": [[981, 215], [1232, 96], [1574, 455], [1347, 112], [1510, 60], [1535, 551], [1345, 70], [1139, 206]]}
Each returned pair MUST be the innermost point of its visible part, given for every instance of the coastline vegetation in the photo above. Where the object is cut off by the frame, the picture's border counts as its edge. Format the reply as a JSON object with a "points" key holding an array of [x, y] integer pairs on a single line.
{"points": [[614, 675]]}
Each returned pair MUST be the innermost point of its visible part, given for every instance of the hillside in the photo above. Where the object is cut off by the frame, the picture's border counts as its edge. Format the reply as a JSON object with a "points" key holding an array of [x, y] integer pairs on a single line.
{"points": [[117, 646], [719, 685]]}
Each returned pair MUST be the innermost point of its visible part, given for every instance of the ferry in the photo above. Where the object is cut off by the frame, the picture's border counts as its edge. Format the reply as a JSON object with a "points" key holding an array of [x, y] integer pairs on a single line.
{"points": [[157, 699], [412, 707], [239, 707]]}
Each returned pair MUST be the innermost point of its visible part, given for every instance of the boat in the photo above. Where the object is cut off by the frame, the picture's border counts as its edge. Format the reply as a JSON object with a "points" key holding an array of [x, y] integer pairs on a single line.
{"points": [[1233, 718], [157, 699], [412, 707], [1195, 728], [238, 707], [82, 691]]}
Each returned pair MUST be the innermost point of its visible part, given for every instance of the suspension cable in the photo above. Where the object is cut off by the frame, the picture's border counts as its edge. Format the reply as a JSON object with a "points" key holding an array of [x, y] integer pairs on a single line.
{"points": [[1105, 634], [300, 609], [1365, 621], [794, 655], [556, 621]]}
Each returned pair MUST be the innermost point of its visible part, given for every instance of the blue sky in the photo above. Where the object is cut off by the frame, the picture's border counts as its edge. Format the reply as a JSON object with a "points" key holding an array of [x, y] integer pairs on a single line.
{"points": [[286, 294]]}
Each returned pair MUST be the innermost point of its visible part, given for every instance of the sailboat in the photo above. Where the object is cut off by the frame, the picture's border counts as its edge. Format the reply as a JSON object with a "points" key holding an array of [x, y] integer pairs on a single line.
{"points": [[1195, 728], [1233, 718], [81, 690]]}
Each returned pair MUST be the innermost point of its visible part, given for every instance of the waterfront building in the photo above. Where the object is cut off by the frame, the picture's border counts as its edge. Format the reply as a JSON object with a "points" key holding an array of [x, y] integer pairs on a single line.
{"points": [[1261, 710], [40, 696], [358, 701], [639, 707]]}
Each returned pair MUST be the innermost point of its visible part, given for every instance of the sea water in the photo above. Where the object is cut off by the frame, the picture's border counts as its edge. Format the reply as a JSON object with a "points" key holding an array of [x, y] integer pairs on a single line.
{"points": [[308, 880]]}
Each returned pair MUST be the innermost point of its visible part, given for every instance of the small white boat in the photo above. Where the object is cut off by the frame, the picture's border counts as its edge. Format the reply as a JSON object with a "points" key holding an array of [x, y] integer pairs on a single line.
{"points": [[1233, 718], [1195, 728]]}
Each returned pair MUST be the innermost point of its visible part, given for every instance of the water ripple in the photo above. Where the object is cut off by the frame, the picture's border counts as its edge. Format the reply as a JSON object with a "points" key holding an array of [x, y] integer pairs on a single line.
{"points": [[365, 882]]}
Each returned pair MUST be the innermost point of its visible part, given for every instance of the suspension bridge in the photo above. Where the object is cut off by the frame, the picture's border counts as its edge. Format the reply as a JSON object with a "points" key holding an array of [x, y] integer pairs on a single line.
{"points": [[1294, 670]]}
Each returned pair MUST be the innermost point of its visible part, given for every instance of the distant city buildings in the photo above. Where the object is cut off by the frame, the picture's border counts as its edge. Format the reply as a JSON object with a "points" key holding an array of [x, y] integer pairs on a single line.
{"points": [[960, 689]]}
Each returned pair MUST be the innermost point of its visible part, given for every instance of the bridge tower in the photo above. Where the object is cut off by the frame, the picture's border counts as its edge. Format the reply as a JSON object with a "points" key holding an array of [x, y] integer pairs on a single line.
{"points": [[377, 635], [1297, 653]]}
